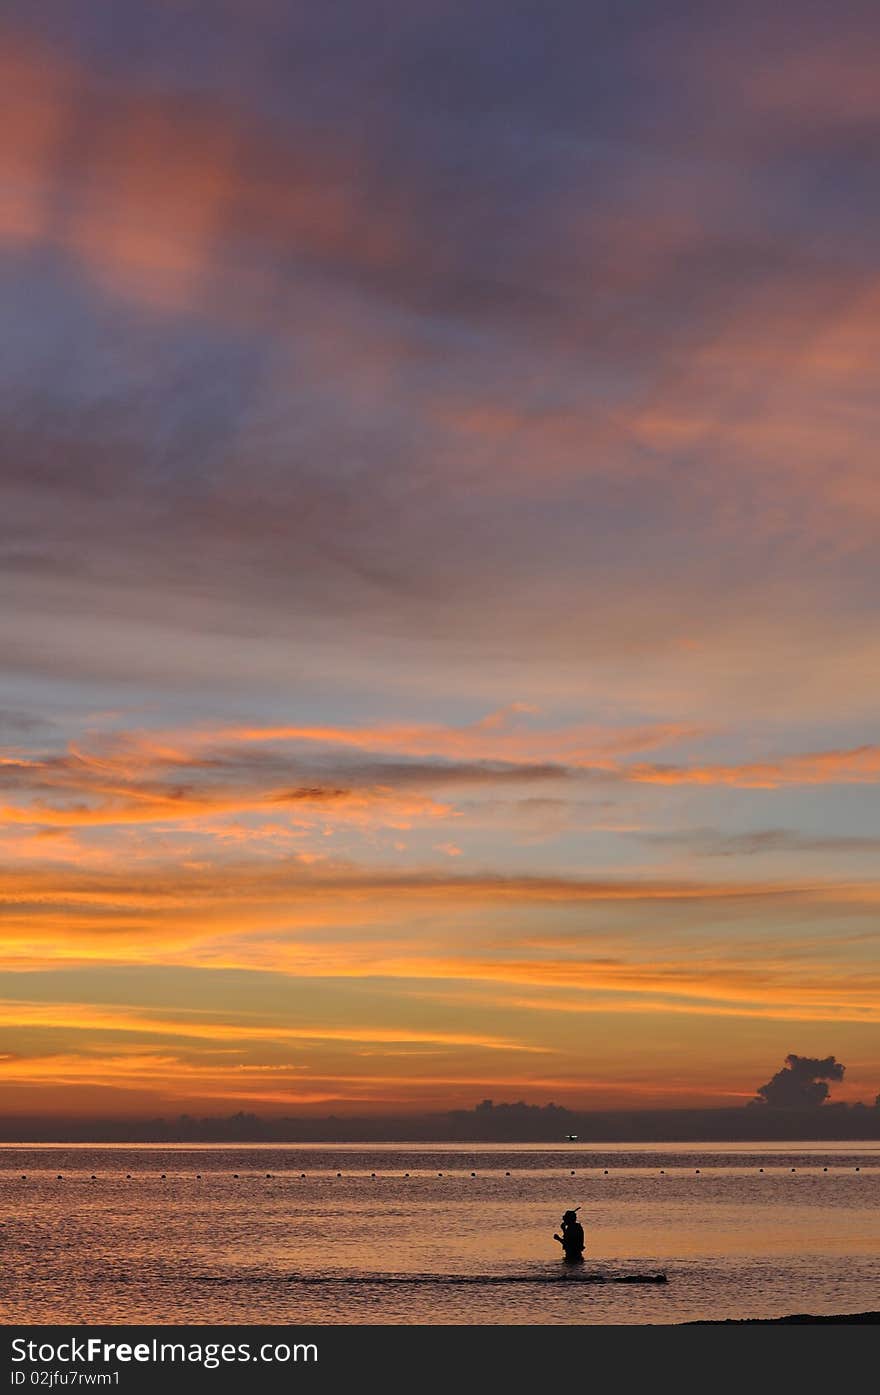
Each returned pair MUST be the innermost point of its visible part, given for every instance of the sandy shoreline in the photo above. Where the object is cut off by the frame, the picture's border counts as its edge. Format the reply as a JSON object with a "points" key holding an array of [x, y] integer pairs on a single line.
{"points": [[839, 1318]]}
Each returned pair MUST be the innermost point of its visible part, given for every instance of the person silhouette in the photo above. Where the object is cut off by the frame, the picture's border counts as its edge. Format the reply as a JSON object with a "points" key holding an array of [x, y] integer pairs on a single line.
{"points": [[571, 1239]]}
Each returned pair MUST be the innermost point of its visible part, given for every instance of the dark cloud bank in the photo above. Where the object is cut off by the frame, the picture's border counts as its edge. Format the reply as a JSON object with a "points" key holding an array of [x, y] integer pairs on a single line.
{"points": [[791, 1105]]}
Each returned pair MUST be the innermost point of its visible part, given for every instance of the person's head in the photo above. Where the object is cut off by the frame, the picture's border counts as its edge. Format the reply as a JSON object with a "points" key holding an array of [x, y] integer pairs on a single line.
{"points": [[569, 1218]]}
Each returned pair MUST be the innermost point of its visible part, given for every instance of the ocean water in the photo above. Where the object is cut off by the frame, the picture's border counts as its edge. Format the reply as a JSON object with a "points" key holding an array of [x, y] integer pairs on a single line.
{"points": [[202, 1245]]}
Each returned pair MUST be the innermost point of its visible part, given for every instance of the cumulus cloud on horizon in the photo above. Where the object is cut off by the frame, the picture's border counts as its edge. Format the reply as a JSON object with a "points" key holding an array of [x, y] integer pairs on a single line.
{"points": [[801, 1083]]}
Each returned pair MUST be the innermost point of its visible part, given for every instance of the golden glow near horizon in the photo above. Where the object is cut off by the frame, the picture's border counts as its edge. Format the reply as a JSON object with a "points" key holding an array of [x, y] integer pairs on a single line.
{"points": [[440, 654]]}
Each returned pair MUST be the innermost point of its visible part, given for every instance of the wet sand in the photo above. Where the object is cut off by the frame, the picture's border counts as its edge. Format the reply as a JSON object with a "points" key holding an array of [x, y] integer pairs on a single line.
{"points": [[850, 1319]]}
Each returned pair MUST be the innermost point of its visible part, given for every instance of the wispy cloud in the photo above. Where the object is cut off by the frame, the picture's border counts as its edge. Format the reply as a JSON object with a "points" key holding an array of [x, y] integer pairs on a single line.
{"points": [[861, 765]]}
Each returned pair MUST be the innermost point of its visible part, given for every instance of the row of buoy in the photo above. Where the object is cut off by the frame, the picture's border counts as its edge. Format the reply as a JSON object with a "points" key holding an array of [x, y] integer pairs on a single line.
{"points": [[271, 1176]]}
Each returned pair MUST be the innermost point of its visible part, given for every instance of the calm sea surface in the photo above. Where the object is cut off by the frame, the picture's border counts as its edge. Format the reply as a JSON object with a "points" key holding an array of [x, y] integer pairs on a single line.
{"points": [[409, 1245]]}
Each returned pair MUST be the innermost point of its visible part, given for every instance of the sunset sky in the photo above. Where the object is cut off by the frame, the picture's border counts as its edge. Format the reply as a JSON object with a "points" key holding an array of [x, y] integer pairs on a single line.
{"points": [[439, 552]]}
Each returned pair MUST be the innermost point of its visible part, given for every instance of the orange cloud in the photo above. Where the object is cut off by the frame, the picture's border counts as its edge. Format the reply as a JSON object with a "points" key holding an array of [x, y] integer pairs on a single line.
{"points": [[39, 91], [860, 765], [131, 782], [85, 1017], [766, 990], [500, 736], [238, 792], [157, 197]]}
